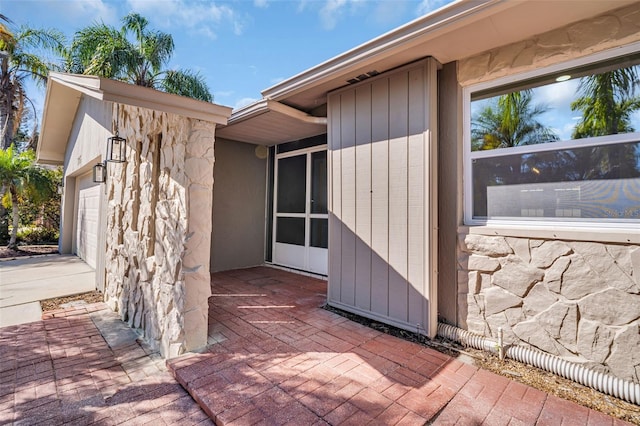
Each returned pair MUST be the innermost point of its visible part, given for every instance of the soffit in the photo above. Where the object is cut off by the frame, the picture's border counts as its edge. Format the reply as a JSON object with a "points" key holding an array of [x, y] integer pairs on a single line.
{"points": [[60, 107], [269, 123], [458, 31]]}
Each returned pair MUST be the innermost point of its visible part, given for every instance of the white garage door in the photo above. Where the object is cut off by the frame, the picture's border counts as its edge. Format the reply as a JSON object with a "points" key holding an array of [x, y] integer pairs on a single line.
{"points": [[88, 197]]}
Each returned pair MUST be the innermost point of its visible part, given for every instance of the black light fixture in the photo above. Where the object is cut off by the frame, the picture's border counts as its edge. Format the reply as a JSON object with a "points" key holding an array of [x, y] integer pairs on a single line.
{"points": [[116, 146], [100, 172], [116, 149]]}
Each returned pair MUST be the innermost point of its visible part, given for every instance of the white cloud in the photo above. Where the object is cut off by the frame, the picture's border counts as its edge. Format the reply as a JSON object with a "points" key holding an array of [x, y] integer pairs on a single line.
{"points": [[244, 102], [557, 94], [427, 6], [261, 3], [389, 12], [635, 120], [334, 10], [89, 11], [202, 18], [331, 13]]}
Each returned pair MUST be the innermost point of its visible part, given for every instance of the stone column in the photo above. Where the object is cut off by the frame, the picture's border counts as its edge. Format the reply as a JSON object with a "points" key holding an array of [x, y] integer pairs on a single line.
{"points": [[159, 228]]}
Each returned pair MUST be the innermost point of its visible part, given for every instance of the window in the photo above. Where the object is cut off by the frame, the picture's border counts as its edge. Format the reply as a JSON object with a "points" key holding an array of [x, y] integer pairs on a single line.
{"points": [[559, 145]]}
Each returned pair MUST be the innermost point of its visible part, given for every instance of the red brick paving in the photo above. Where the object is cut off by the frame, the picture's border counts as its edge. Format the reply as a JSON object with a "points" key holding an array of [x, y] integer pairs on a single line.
{"points": [[62, 371], [277, 358]]}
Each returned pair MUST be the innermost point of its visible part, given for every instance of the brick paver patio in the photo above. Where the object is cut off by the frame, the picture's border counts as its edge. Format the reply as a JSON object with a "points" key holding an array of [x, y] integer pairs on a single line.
{"points": [[276, 357], [84, 366]]}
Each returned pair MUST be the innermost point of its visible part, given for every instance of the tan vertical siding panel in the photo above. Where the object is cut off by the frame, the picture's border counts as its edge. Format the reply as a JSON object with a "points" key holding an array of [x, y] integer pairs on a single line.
{"points": [[416, 183], [335, 204], [363, 197], [380, 197], [398, 196], [347, 137]]}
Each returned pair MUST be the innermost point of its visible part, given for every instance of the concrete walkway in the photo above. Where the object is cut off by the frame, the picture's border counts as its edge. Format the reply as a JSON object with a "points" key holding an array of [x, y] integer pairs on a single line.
{"points": [[276, 357], [26, 281]]}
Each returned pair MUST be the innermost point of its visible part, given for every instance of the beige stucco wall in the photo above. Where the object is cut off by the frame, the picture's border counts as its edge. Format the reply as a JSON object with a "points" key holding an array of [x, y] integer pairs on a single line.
{"points": [[576, 299], [238, 206], [159, 228]]}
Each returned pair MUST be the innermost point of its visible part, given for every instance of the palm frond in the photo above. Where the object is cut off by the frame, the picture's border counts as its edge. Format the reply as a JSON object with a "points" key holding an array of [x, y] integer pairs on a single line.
{"points": [[186, 83]]}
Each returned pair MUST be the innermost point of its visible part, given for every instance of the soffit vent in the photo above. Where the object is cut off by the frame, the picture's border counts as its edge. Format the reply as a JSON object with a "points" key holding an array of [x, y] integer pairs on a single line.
{"points": [[361, 77]]}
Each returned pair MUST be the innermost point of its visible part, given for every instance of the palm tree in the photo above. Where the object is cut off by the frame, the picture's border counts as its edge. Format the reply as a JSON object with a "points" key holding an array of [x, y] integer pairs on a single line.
{"points": [[134, 54], [607, 101], [22, 178], [23, 54], [510, 121]]}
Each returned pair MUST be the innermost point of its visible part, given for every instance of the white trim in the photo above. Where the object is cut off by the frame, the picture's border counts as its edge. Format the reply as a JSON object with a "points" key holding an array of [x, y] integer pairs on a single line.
{"points": [[129, 94], [575, 232], [265, 105], [432, 25], [307, 215], [548, 226], [557, 146]]}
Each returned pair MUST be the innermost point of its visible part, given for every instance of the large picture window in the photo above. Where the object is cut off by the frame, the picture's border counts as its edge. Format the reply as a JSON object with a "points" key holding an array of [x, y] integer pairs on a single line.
{"points": [[562, 146]]}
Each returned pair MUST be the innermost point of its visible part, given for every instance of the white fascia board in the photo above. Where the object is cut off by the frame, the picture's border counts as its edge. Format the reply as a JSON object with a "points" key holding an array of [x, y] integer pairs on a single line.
{"points": [[265, 105], [119, 92], [434, 24]]}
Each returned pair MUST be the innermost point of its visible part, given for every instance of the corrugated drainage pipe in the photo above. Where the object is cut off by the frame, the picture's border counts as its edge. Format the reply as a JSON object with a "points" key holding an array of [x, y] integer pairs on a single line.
{"points": [[602, 382]]}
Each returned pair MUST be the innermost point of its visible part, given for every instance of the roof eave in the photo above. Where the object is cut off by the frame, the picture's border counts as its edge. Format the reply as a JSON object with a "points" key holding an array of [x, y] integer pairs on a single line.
{"points": [[433, 24], [70, 88]]}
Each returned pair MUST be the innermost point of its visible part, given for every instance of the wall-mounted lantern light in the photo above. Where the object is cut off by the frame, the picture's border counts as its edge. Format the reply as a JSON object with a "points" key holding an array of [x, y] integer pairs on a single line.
{"points": [[116, 149], [61, 187], [100, 172]]}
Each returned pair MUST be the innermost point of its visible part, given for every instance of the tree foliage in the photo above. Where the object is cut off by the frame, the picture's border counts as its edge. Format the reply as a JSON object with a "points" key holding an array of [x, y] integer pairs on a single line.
{"points": [[26, 53], [510, 121], [607, 101], [23, 180], [135, 54]]}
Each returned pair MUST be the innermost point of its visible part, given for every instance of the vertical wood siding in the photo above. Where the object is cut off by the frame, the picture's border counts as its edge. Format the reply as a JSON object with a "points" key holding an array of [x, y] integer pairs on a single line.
{"points": [[379, 151]]}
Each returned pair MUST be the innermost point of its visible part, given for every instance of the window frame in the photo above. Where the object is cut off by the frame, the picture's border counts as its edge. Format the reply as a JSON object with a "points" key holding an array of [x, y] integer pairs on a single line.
{"points": [[498, 226]]}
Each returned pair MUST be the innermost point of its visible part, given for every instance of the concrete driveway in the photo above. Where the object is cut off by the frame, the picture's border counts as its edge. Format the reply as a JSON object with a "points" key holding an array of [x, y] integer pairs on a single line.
{"points": [[26, 281]]}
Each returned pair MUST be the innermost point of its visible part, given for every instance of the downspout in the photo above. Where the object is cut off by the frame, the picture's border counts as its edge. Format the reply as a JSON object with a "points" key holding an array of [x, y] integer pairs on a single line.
{"points": [[602, 382]]}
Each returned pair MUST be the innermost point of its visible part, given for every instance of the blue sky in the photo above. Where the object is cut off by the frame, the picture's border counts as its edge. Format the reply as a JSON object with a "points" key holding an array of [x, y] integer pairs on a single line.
{"points": [[240, 46]]}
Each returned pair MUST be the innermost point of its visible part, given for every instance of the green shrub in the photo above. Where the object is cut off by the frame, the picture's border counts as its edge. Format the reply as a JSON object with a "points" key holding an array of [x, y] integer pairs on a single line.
{"points": [[38, 235]]}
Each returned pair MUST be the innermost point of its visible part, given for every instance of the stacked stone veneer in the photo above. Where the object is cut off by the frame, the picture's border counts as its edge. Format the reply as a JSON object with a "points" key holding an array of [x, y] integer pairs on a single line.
{"points": [[159, 228], [577, 300]]}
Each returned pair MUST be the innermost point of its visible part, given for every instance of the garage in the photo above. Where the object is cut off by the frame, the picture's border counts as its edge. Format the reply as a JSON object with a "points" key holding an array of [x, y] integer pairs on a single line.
{"points": [[86, 223]]}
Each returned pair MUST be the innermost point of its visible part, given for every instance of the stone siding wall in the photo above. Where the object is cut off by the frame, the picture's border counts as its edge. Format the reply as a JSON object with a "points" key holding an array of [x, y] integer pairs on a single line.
{"points": [[577, 300], [613, 29], [159, 228]]}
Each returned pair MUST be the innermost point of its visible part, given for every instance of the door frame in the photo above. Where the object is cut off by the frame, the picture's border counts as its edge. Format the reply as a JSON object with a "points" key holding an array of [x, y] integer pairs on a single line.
{"points": [[307, 215]]}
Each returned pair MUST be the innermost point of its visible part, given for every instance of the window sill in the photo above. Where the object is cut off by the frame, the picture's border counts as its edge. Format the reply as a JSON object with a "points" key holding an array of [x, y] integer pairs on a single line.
{"points": [[629, 235]]}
